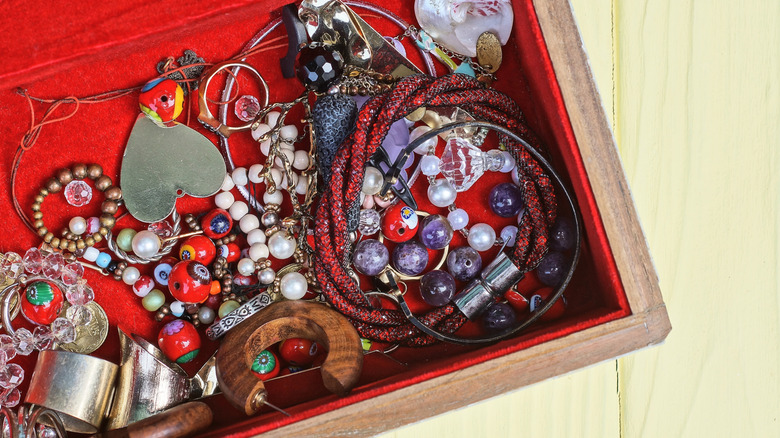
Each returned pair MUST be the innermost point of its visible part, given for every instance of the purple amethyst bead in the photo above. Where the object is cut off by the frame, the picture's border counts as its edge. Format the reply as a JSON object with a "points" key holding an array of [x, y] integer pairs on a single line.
{"points": [[435, 232], [464, 263], [499, 317], [437, 288], [410, 258], [370, 257], [552, 269], [562, 234], [506, 200]]}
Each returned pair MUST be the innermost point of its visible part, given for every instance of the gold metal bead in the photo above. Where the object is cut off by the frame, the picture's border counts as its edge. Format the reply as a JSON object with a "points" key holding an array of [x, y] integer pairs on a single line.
{"points": [[80, 244], [64, 176], [53, 186], [103, 183], [36, 206], [94, 171], [37, 215], [54, 242], [89, 241], [109, 207], [64, 243], [114, 193], [72, 246], [38, 223], [80, 171], [42, 231], [107, 220], [97, 237], [48, 237]]}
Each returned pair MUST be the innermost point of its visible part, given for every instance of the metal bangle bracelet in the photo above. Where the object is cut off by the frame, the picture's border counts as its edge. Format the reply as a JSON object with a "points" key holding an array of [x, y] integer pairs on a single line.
{"points": [[9, 311], [257, 39], [244, 311]]}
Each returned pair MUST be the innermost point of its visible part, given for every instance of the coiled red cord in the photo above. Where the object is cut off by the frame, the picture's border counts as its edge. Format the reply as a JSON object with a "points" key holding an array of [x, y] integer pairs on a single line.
{"points": [[374, 119]]}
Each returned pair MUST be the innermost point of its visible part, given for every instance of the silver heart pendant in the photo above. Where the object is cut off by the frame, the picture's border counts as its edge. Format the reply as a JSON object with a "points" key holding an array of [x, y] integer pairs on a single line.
{"points": [[162, 164]]}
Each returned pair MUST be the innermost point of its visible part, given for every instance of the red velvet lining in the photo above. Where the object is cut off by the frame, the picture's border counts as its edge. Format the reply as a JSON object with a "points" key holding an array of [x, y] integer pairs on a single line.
{"points": [[83, 51]]}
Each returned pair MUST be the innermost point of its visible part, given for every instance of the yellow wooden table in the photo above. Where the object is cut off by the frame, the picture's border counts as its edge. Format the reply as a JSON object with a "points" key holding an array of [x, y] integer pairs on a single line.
{"points": [[693, 92]]}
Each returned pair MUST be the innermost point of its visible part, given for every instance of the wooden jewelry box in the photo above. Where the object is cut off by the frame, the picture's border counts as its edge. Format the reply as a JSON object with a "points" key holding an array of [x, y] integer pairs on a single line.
{"points": [[615, 305]]}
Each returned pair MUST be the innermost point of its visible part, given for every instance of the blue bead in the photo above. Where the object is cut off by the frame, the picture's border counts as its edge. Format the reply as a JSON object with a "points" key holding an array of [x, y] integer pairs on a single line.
{"points": [[103, 260]]}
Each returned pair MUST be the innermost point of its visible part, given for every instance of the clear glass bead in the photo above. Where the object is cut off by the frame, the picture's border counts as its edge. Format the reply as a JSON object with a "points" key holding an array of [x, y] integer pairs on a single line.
{"points": [[8, 347], [462, 163], [247, 107], [72, 273], [369, 222], [79, 315], [161, 228], [33, 261], [24, 342], [46, 432], [80, 294], [43, 338], [12, 265], [78, 193], [53, 264], [63, 330], [3, 358], [12, 397]]}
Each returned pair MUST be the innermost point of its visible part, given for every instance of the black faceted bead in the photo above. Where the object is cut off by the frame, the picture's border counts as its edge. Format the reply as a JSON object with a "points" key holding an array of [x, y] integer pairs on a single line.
{"points": [[318, 67]]}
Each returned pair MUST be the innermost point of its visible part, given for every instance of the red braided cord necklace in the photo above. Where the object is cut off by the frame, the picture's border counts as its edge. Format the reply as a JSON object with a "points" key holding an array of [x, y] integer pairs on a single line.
{"points": [[374, 120]]}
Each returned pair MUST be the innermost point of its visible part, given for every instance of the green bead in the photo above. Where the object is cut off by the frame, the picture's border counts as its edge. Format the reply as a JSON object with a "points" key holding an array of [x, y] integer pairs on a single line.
{"points": [[153, 300], [124, 240], [264, 362], [227, 307]]}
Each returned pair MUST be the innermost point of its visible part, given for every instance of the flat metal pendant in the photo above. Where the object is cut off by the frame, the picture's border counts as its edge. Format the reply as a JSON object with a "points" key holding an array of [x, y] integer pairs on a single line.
{"points": [[162, 164], [489, 53]]}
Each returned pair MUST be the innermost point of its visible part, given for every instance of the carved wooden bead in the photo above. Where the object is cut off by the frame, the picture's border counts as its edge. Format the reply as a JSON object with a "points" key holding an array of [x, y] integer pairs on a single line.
{"points": [[64, 176], [94, 171], [103, 183], [80, 171]]}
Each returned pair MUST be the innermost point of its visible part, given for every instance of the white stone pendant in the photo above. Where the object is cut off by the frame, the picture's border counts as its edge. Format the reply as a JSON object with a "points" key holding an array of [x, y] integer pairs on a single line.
{"points": [[457, 24]]}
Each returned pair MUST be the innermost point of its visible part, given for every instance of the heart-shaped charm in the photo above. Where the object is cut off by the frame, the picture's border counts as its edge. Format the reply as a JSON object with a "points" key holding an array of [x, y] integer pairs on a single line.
{"points": [[161, 164]]}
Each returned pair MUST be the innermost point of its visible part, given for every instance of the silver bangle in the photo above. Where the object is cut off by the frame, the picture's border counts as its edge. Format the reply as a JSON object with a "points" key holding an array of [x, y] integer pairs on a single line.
{"points": [[234, 318]]}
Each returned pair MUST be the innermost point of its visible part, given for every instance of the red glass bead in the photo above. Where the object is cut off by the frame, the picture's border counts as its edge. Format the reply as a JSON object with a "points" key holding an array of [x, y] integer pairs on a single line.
{"points": [[190, 281], [517, 301], [198, 248], [217, 223], [230, 251], [42, 302], [265, 365], [213, 302], [162, 100], [399, 223], [179, 341], [556, 311], [298, 351]]}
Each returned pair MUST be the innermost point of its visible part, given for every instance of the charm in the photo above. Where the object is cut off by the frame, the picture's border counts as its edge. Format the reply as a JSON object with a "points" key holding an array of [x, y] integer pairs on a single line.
{"points": [[458, 24], [489, 53], [91, 336]]}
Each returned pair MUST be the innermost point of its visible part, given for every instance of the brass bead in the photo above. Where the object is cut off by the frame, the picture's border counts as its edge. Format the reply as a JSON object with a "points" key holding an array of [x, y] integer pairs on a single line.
{"points": [[232, 296], [103, 183], [48, 237], [42, 231], [122, 265], [64, 243], [343, 89], [43, 192], [107, 220], [114, 193], [362, 91], [36, 207], [97, 237], [195, 320], [103, 231], [119, 271], [64, 176], [38, 223], [353, 90], [117, 277], [53, 186], [159, 316], [80, 244], [94, 171], [80, 171], [39, 199], [72, 246], [89, 241], [54, 242], [109, 207], [37, 215]]}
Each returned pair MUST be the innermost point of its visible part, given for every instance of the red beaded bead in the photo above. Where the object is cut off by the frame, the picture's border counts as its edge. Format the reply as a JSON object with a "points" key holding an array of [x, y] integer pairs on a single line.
{"points": [[230, 251], [198, 248], [179, 341], [42, 302], [217, 223], [189, 282], [399, 223], [298, 351]]}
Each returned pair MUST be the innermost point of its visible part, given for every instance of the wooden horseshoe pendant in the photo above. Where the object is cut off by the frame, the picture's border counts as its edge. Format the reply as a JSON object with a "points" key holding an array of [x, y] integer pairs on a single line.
{"points": [[275, 323]]}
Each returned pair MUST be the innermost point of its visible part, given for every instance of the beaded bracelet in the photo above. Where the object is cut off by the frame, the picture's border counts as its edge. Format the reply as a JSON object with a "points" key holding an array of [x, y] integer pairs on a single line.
{"points": [[72, 239]]}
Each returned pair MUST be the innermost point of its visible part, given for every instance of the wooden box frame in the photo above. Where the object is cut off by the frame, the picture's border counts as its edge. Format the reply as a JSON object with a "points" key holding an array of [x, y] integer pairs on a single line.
{"points": [[648, 323]]}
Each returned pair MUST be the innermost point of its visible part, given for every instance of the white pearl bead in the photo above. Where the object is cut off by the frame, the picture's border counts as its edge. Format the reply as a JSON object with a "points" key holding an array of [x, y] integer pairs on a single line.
{"points": [[429, 165], [303, 186], [482, 237], [281, 246], [293, 286], [255, 236], [246, 266], [130, 275], [177, 308], [239, 176], [254, 173], [224, 200], [276, 176], [289, 154], [509, 234], [289, 133], [258, 251], [284, 145], [227, 183], [515, 177], [273, 198], [78, 225], [441, 193], [238, 210], [509, 162], [458, 219], [424, 147], [248, 223], [265, 147], [300, 160], [146, 244], [260, 131], [272, 117], [266, 276], [372, 181], [91, 254]]}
